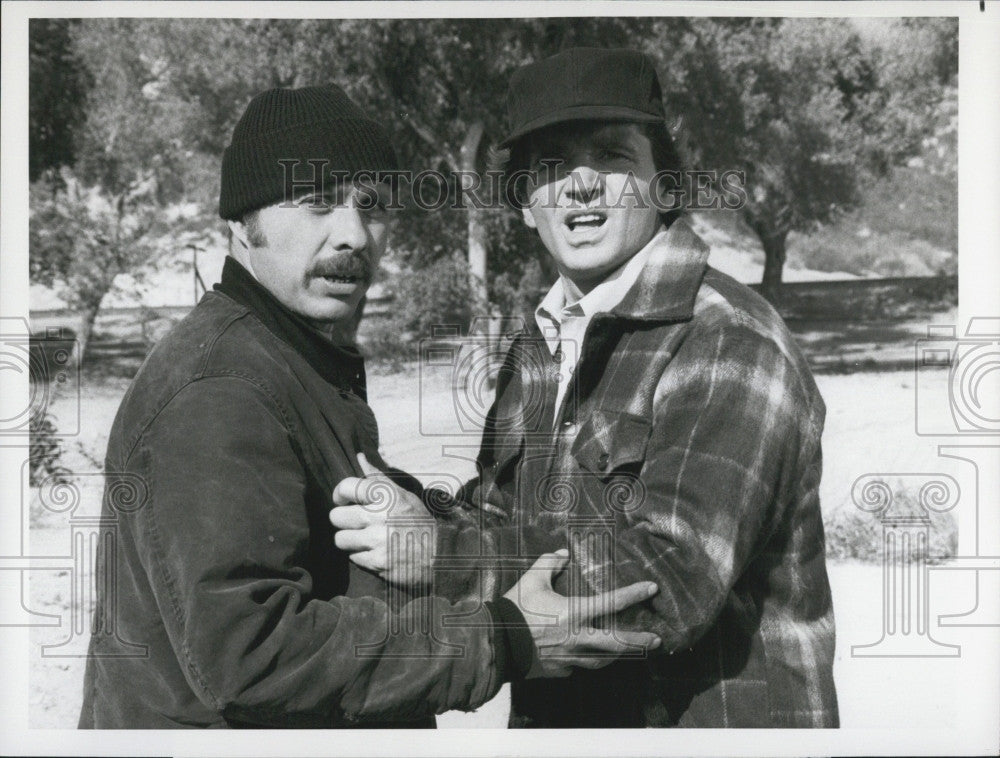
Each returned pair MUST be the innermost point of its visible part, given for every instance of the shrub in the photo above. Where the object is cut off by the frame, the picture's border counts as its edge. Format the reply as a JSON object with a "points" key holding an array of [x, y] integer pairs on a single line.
{"points": [[45, 451], [436, 294], [865, 252], [855, 534], [440, 294], [422, 298], [386, 347]]}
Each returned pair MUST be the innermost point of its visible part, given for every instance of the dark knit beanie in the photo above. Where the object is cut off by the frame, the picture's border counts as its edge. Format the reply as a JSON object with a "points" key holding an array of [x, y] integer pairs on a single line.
{"points": [[281, 131]]}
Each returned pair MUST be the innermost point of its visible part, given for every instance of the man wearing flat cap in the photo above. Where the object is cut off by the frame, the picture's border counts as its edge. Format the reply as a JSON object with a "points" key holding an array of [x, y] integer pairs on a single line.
{"points": [[659, 420], [226, 598]]}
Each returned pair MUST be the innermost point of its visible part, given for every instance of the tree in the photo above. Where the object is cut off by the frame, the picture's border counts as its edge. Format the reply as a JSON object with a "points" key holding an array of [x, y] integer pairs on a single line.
{"points": [[444, 82], [439, 82], [761, 96], [82, 237], [56, 89], [131, 159], [804, 108]]}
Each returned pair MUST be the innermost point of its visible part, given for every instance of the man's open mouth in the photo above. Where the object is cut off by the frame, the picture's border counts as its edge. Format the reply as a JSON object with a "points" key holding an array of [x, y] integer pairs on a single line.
{"points": [[585, 220], [342, 279], [348, 270]]}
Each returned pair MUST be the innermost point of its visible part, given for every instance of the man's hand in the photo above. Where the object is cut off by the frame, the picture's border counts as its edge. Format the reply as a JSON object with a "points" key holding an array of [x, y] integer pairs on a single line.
{"points": [[386, 529], [561, 626]]}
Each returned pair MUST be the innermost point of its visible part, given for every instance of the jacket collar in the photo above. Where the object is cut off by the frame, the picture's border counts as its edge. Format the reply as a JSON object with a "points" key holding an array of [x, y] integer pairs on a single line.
{"points": [[669, 282], [340, 365]]}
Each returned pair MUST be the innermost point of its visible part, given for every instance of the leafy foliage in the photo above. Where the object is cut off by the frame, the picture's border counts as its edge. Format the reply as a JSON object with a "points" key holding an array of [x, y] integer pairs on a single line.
{"points": [[808, 109], [82, 237], [57, 85], [852, 534], [906, 223], [45, 451], [424, 297], [438, 294], [812, 110]]}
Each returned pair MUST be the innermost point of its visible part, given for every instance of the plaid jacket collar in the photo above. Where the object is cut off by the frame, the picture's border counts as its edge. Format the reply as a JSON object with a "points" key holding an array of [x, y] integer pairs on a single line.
{"points": [[668, 285]]}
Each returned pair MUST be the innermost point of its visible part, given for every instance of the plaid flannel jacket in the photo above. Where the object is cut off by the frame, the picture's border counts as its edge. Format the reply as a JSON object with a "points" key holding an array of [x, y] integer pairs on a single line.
{"points": [[686, 452]]}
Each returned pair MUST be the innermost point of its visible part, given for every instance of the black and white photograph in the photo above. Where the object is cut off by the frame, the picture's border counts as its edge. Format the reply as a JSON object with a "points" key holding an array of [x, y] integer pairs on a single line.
{"points": [[592, 369]]}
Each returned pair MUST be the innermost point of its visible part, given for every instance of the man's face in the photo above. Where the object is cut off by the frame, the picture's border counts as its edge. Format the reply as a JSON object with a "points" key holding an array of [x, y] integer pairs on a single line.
{"points": [[593, 212], [318, 253]]}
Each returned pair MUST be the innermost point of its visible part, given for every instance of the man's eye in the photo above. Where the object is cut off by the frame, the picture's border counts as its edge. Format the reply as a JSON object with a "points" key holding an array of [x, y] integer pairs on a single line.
{"points": [[372, 202], [615, 155], [316, 204], [549, 162]]}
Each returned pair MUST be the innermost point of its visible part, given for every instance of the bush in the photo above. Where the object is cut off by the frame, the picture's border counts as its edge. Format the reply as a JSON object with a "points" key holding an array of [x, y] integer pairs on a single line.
{"points": [[45, 451], [855, 534], [422, 298], [440, 295], [906, 223], [385, 346], [864, 252], [437, 294]]}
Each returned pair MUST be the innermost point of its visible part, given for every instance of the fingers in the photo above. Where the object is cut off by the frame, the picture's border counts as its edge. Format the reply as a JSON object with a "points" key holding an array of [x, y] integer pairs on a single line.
{"points": [[367, 468], [548, 565], [351, 517], [404, 575], [594, 648], [348, 491], [618, 641], [372, 560], [596, 661], [359, 540], [620, 599], [377, 493]]}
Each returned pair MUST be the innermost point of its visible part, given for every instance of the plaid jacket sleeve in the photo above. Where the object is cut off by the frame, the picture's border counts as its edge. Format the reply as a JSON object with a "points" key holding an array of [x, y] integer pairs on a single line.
{"points": [[735, 441], [733, 454], [483, 548]]}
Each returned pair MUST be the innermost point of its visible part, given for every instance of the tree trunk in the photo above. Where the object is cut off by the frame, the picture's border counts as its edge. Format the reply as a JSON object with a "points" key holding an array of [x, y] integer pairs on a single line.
{"points": [[88, 316], [774, 263], [475, 226]]}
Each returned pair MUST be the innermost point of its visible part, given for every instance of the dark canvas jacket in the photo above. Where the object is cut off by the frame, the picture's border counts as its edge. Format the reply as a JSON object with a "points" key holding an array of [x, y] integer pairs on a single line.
{"points": [[229, 604], [686, 452]]}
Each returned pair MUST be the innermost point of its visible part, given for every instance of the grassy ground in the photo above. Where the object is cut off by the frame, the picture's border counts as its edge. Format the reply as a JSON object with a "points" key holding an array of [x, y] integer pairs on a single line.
{"points": [[870, 428]]}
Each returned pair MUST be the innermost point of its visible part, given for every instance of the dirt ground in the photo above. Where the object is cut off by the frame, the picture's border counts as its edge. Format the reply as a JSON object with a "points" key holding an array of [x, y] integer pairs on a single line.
{"points": [[870, 428]]}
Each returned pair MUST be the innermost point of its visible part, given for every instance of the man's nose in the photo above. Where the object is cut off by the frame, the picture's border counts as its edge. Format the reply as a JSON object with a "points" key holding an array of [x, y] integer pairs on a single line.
{"points": [[583, 184], [348, 230]]}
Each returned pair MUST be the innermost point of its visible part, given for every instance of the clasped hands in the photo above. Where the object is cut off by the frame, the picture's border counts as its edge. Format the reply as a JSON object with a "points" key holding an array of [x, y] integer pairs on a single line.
{"points": [[388, 531]]}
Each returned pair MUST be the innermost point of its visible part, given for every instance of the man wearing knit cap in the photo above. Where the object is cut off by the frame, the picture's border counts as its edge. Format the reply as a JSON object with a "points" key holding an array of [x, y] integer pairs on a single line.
{"points": [[659, 419], [226, 595]]}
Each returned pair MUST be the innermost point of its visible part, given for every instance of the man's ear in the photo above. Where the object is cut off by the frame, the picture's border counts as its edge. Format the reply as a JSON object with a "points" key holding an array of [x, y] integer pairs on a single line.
{"points": [[239, 232], [529, 218]]}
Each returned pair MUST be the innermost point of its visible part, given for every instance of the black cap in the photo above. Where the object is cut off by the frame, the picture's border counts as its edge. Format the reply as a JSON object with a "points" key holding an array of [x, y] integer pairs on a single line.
{"points": [[583, 83], [319, 124]]}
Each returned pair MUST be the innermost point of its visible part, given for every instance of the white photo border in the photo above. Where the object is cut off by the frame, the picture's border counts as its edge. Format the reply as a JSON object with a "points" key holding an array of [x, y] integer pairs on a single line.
{"points": [[978, 671]]}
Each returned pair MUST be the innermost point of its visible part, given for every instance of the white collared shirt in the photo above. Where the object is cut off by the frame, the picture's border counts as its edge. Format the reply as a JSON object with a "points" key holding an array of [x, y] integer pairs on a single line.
{"points": [[563, 324]]}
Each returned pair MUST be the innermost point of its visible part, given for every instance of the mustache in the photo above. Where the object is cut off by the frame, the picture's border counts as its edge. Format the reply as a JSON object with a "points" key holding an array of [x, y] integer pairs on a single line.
{"points": [[348, 264]]}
